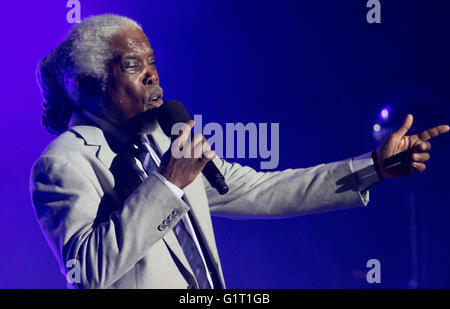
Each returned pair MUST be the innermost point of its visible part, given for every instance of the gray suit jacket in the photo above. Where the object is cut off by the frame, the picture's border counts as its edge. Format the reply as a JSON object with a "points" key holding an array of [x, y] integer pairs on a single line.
{"points": [[119, 230]]}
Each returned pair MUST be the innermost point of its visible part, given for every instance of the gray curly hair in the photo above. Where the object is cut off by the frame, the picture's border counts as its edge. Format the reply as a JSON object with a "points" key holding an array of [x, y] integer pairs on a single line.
{"points": [[85, 52]]}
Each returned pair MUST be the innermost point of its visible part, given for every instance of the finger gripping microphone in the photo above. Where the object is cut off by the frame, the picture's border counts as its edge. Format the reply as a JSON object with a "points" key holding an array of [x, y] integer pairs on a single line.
{"points": [[173, 112]]}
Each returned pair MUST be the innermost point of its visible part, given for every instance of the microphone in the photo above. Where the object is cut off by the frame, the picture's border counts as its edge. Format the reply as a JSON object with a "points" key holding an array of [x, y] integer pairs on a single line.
{"points": [[173, 112]]}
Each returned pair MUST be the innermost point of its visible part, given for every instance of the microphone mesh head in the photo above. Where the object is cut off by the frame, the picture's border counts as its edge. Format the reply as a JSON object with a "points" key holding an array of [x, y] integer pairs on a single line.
{"points": [[170, 113]]}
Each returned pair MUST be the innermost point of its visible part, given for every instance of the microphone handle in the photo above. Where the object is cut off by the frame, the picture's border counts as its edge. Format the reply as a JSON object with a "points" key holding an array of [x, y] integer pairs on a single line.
{"points": [[215, 178]]}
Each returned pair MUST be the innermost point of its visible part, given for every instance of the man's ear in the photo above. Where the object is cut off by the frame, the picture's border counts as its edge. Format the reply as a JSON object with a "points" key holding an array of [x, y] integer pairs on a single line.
{"points": [[90, 86]]}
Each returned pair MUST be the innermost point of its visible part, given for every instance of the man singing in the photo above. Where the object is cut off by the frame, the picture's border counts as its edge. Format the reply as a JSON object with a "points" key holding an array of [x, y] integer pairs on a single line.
{"points": [[109, 205]]}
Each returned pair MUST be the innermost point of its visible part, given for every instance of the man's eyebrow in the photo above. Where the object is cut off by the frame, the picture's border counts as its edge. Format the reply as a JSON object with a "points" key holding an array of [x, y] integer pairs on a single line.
{"points": [[125, 57], [136, 55]]}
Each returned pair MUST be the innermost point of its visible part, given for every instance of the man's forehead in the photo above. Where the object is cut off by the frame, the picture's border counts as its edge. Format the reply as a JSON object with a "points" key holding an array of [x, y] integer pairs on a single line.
{"points": [[131, 41]]}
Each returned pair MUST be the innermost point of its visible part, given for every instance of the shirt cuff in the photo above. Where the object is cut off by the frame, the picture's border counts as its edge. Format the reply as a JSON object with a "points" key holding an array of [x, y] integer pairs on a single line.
{"points": [[177, 191], [364, 170]]}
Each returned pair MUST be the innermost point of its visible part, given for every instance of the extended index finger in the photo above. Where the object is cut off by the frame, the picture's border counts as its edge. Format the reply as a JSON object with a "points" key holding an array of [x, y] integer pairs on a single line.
{"points": [[433, 132]]}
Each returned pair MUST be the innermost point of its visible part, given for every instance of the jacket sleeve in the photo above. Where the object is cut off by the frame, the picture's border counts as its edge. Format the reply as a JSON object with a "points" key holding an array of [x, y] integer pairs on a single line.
{"points": [[66, 204], [285, 193]]}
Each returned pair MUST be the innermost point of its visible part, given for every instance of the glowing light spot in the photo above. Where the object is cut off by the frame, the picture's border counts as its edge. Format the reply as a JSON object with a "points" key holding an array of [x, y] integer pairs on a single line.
{"points": [[376, 127]]}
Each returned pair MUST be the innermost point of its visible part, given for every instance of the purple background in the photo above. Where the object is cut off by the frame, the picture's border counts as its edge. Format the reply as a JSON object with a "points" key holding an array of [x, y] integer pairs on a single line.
{"points": [[316, 67]]}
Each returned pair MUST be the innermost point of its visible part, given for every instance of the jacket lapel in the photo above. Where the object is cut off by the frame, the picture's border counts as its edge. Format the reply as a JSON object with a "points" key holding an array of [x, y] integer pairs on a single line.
{"points": [[200, 212], [94, 137], [172, 243]]}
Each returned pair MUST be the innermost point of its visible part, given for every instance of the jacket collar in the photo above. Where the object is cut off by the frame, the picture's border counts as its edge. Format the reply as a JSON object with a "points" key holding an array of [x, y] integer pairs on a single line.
{"points": [[109, 138], [85, 118]]}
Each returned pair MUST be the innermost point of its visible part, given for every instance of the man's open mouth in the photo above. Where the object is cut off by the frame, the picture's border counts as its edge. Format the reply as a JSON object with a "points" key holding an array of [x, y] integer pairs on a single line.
{"points": [[154, 96]]}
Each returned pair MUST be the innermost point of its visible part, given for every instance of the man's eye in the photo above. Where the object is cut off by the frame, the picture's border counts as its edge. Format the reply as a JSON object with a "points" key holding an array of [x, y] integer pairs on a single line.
{"points": [[130, 64], [151, 62]]}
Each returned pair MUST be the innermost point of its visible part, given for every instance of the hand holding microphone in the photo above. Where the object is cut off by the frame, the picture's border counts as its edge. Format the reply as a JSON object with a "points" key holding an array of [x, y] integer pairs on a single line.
{"points": [[192, 153], [192, 156]]}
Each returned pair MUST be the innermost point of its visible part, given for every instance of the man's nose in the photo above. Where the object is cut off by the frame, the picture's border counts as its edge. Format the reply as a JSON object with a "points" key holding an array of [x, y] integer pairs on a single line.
{"points": [[151, 77]]}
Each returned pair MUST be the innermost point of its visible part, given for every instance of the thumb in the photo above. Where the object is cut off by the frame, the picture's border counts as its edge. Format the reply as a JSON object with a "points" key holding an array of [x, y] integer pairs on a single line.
{"points": [[405, 126]]}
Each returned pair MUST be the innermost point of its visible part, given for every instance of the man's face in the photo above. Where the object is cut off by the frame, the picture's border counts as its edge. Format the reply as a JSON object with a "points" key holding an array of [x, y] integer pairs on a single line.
{"points": [[133, 85]]}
